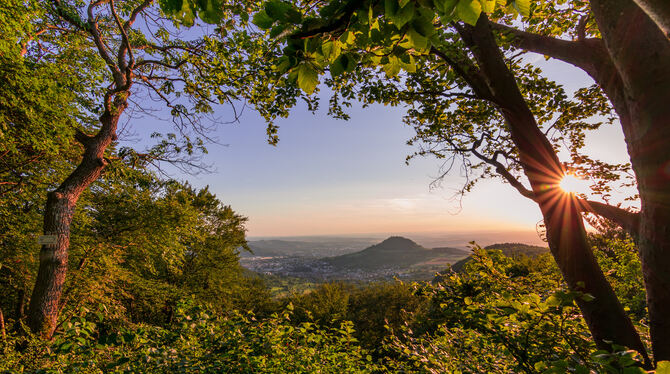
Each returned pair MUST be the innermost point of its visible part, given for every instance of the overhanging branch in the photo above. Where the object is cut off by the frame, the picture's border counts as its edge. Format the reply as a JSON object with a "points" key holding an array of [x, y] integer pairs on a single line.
{"points": [[628, 220]]}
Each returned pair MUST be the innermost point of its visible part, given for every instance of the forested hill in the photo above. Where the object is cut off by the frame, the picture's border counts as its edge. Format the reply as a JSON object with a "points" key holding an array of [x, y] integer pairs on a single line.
{"points": [[508, 249], [395, 251]]}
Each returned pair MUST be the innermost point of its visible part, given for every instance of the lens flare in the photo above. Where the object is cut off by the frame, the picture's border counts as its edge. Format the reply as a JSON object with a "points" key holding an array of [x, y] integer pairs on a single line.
{"points": [[572, 184]]}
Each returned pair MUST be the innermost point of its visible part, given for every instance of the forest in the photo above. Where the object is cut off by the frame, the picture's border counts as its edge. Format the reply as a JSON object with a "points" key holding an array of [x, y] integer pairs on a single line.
{"points": [[110, 265]]}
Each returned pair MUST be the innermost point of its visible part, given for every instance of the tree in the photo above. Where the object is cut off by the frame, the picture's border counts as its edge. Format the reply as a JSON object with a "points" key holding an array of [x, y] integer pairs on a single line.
{"points": [[141, 52], [350, 36], [658, 11], [629, 63], [42, 104]]}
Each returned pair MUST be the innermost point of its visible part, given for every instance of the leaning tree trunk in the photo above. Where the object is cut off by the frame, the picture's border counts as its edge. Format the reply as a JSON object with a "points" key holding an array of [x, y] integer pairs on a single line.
{"points": [[659, 11], [605, 317], [60, 206], [641, 54]]}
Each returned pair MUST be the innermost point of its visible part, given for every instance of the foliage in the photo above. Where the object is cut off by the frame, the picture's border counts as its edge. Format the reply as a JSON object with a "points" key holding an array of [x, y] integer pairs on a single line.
{"points": [[500, 314], [155, 242], [507, 314], [371, 307], [197, 342]]}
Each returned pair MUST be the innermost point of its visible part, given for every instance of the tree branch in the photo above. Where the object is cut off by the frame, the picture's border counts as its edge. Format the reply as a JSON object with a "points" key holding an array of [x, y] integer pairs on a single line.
{"points": [[628, 221], [586, 54], [470, 74], [659, 12], [99, 43], [123, 48], [502, 170], [349, 8]]}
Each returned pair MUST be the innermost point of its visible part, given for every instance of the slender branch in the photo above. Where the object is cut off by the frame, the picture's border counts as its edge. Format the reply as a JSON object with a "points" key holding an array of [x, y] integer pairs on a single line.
{"points": [[438, 93], [340, 22], [124, 47], [581, 27], [502, 170], [134, 13], [470, 74], [99, 43], [161, 63]]}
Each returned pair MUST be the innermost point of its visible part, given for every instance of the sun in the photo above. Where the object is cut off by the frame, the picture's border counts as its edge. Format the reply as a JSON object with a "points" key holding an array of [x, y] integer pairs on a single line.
{"points": [[571, 184]]}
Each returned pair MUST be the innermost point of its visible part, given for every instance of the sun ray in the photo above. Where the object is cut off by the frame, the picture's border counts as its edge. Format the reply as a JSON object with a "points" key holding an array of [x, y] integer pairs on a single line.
{"points": [[572, 184]]}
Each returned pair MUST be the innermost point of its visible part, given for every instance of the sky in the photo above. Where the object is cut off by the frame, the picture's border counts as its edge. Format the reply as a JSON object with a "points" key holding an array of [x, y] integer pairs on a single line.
{"points": [[334, 177]]}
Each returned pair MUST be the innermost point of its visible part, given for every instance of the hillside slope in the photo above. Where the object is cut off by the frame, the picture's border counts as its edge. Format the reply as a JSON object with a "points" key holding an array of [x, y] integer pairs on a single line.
{"points": [[395, 251], [508, 249]]}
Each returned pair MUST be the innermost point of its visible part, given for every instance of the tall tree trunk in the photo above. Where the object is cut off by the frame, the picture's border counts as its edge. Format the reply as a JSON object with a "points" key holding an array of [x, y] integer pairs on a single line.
{"points": [[2, 326], [21, 303], [641, 54], [60, 206], [605, 316], [659, 11]]}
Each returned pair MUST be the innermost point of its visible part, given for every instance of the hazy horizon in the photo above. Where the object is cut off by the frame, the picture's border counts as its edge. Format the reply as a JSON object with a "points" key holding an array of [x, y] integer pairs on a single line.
{"points": [[459, 239]]}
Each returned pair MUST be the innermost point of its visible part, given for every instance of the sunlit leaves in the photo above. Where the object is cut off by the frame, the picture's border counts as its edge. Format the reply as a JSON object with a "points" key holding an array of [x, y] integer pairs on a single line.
{"points": [[468, 11], [308, 77], [392, 68], [372, 29], [522, 6]]}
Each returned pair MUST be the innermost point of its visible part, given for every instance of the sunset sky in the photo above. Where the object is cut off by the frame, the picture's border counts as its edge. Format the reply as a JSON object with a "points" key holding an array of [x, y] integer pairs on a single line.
{"points": [[330, 177]]}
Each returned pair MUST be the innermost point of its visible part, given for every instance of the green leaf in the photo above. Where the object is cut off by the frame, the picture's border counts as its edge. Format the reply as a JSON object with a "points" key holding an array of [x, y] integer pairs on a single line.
{"points": [[186, 16], [402, 3], [308, 78], [211, 11], [663, 367], [338, 66], [170, 7], [468, 11], [348, 37], [488, 6], [446, 7], [390, 8], [277, 10], [553, 301], [330, 50], [407, 62], [293, 15], [351, 60], [424, 24], [523, 7], [403, 16], [417, 41], [393, 67], [262, 20]]}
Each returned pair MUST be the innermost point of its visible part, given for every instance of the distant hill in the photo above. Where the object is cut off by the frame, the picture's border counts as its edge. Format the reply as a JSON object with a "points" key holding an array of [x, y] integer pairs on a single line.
{"points": [[395, 251], [323, 248], [508, 249]]}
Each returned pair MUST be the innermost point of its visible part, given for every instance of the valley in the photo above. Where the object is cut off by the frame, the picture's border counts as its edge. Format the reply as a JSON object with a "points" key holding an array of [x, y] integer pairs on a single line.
{"points": [[393, 258]]}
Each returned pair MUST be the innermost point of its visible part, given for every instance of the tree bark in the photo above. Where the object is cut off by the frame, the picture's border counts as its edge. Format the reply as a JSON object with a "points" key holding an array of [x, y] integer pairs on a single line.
{"points": [[2, 326], [45, 300], [605, 316], [641, 54], [21, 303], [659, 12]]}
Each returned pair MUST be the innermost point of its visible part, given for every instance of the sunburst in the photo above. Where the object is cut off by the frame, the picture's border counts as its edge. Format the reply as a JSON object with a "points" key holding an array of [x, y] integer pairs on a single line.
{"points": [[572, 184]]}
